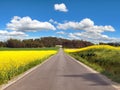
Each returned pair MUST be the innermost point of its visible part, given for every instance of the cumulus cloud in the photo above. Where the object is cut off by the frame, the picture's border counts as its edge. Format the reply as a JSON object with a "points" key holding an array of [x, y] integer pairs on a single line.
{"points": [[13, 33], [25, 24], [88, 30], [93, 37], [73, 36], [60, 32], [5, 35], [86, 25], [60, 7]]}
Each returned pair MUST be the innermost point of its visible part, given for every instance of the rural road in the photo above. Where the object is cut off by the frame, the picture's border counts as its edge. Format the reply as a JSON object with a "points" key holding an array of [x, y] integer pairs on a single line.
{"points": [[61, 72]]}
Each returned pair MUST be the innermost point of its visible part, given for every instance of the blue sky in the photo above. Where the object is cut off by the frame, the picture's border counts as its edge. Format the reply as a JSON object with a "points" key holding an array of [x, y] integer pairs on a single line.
{"points": [[92, 20]]}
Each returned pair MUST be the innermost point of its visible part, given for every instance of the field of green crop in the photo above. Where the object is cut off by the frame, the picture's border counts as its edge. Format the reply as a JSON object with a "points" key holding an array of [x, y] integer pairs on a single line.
{"points": [[103, 58]]}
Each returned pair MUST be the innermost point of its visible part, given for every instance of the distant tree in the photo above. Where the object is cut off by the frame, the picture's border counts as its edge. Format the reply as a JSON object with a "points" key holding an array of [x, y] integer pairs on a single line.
{"points": [[112, 44], [2, 44], [75, 43], [50, 41], [101, 43], [14, 43], [28, 43], [45, 42]]}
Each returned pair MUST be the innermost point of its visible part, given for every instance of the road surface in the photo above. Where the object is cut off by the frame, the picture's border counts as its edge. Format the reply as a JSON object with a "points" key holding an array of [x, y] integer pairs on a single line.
{"points": [[61, 72]]}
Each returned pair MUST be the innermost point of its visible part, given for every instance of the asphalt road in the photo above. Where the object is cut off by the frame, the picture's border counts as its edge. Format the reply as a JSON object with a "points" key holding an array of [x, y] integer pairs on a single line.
{"points": [[61, 72]]}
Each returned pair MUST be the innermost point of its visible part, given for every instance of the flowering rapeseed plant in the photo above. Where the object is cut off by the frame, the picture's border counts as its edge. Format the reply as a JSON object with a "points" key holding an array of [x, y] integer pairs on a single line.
{"points": [[14, 62]]}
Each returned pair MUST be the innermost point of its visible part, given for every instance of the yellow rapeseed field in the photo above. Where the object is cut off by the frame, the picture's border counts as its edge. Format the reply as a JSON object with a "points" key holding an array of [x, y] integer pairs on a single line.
{"points": [[11, 61], [92, 47]]}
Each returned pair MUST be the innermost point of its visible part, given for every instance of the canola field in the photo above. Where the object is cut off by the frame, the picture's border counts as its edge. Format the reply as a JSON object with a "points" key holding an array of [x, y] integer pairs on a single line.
{"points": [[92, 47], [13, 63], [103, 58]]}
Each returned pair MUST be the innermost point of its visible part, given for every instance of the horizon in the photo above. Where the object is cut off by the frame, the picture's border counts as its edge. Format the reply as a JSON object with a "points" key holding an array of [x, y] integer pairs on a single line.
{"points": [[94, 21]]}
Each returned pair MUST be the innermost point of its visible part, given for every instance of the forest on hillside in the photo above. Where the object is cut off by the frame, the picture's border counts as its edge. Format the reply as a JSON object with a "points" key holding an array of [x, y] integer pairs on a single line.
{"points": [[44, 42], [49, 42]]}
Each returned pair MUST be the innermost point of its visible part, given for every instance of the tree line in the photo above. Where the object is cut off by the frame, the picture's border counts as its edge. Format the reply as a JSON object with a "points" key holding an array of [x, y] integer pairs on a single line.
{"points": [[44, 42], [116, 44]]}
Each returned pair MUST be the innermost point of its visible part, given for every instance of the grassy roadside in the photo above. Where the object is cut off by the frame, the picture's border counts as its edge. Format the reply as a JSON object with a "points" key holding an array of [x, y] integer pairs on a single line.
{"points": [[104, 59]]}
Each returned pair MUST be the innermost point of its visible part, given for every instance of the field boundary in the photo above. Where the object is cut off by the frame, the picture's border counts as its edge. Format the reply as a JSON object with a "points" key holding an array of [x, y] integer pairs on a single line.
{"points": [[113, 84], [15, 79]]}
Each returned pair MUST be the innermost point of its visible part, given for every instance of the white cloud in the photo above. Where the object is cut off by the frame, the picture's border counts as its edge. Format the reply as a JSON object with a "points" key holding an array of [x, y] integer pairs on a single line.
{"points": [[60, 7], [2, 32], [52, 21], [88, 30], [68, 25], [86, 25], [27, 24], [60, 32], [5, 35], [13, 33], [73, 36], [93, 37]]}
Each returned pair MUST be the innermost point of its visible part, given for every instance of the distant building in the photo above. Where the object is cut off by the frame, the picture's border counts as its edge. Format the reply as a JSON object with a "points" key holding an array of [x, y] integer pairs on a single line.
{"points": [[59, 46]]}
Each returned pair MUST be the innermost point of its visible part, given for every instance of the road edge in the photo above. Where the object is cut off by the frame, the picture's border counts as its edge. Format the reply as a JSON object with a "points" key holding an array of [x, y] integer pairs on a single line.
{"points": [[15, 79], [113, 84]]}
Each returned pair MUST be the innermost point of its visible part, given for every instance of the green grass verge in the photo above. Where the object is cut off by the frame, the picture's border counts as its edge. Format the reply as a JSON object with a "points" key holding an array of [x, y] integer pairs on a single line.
{"points": [[104, 60]]}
